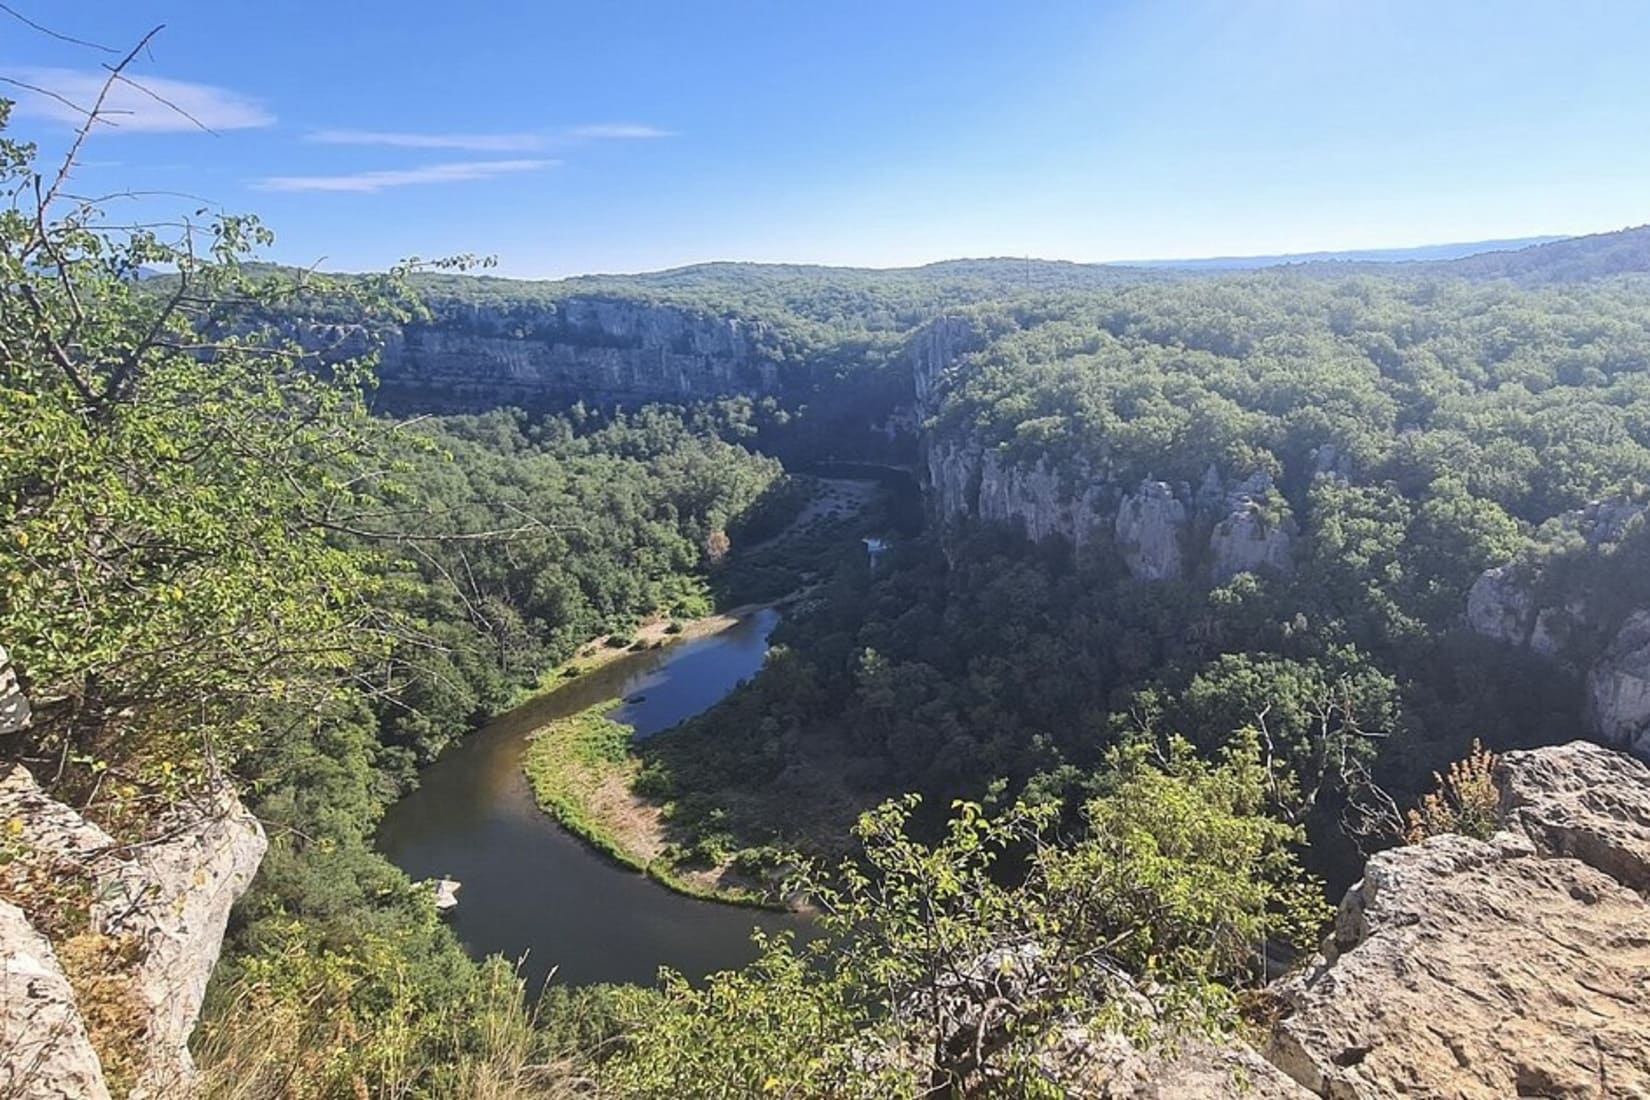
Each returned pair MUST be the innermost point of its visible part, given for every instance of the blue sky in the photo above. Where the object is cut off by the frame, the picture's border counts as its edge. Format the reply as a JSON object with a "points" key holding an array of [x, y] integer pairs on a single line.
{"points": [[621, 135]]}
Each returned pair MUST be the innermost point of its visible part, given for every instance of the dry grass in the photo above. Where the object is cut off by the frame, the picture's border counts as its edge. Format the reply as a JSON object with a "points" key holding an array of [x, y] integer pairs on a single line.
{"points": [[1464, 801], [100, 969], [305, 1045]]}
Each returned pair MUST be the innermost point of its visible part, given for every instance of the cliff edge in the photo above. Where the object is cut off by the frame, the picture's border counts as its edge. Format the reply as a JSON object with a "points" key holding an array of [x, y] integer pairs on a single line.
{"points": [[105, 957], [1513, 967]]}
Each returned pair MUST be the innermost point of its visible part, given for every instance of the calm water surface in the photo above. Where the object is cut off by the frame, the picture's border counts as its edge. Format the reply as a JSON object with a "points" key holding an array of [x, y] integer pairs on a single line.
{"points": [[532, 890]]}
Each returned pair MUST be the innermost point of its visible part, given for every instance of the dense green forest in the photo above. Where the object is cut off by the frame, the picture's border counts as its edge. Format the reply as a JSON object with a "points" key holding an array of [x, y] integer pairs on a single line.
{"points": [[1013, 777], [1413, 432]]}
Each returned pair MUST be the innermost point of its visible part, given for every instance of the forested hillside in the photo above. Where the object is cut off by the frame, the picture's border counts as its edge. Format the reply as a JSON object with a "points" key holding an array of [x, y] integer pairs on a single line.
{"points": [[1188, 616]]}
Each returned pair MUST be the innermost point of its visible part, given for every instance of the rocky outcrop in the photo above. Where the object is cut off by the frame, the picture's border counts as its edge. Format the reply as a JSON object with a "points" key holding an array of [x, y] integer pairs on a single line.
{"points": [[1151, 525], [160, 908], [1037, 498], [1582, 802], [590, 347], [1609, 647], [936, 348], [1246, 541], [1519, 966], [1514, 967], [1188, 1069], [1618, 687], [1500, 605], [45, 1053]]}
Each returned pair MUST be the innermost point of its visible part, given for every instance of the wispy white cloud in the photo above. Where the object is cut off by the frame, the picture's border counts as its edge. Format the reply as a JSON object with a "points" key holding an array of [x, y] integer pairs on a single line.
{"points": [[477, 143], [624, 131], [158, 105], [524, 142], [457, 172]]}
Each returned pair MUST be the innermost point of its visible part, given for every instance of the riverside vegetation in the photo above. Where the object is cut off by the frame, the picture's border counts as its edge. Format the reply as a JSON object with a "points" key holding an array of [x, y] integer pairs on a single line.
{"points": [[582, 771], [1081, 799]]}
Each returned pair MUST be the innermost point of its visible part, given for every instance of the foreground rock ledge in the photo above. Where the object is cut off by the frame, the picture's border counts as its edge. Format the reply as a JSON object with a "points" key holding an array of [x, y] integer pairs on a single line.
{"points": [[170, 898], [1517, 967]]}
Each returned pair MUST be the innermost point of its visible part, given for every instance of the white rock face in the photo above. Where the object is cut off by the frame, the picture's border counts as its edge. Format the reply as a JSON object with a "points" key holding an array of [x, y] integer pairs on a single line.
{"points": [[934, 351], [1483, 971], [1556, 628], [1243, 542], [170, 899], [1499, 606], [1035, 497], [1618, 687], [14, 705], [1150, 526], [44, 1051], [953, 478], [580, 346]]}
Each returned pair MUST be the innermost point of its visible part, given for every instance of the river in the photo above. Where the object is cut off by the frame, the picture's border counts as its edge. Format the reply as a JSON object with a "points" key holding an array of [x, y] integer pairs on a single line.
{"points": [[533, 892]]}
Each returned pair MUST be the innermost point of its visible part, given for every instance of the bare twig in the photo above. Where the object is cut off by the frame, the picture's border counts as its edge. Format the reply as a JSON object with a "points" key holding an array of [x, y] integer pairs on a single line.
{"points": [[59, 35], [93, 116], [69, 103], [163, 101]]}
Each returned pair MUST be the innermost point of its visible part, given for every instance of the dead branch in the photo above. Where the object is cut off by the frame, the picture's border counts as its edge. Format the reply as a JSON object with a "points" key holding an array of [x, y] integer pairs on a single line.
{"points": [[59, 35]]}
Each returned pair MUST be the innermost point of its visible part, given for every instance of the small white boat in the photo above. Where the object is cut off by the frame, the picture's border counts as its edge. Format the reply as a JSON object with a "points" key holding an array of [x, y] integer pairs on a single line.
{"points": [[446, 894]]}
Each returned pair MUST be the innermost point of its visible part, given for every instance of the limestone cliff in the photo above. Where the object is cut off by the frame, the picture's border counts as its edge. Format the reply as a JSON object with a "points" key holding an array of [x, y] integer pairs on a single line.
{"points": [[936, 349], [595, 348], [1246, 539], [1460, 968], [1580, 622], [1618, 686], [1163, 531], [154, 921], [1517, 966], [1151, 525]]}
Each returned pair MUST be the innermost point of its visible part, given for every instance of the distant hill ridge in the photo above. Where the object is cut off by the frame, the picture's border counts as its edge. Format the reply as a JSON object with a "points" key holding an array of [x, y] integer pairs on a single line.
{"points": [[823, 292], [1526, 259], [1417, 253]]}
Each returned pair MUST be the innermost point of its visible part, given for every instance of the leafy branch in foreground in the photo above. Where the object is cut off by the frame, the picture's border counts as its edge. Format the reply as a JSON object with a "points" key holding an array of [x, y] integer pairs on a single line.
{"points": [[168, 467], [934, 977]]}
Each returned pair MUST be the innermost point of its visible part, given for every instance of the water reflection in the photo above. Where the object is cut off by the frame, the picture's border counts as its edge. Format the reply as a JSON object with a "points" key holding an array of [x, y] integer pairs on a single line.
{"points": [[529, 888]]}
